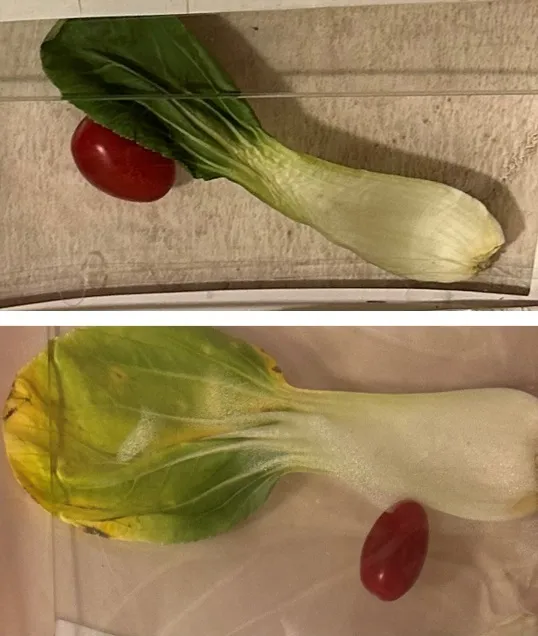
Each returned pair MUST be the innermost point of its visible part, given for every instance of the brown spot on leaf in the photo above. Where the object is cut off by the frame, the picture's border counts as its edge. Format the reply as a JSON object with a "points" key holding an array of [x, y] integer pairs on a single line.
{"points": [[11, 412], [117, 374], [96, 532]]}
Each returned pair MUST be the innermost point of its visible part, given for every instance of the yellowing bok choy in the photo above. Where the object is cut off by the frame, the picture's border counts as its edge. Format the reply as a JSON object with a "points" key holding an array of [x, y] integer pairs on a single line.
{"points": [[149, 80], [175, 434]]}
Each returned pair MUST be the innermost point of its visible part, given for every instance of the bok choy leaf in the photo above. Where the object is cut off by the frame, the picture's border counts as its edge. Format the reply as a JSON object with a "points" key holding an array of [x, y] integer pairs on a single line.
{"points": [[151, 81], [176, 434]]}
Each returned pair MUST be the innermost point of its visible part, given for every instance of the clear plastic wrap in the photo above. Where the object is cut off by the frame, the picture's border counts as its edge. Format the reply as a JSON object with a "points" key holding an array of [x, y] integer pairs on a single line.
{"points": [[293, 568]]}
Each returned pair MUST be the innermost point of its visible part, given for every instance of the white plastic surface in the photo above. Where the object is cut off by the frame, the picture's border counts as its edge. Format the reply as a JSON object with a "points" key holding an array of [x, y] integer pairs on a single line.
{"points": [[292, 569], [289, 299], [64, 628], [26, 579], [11, 10]]}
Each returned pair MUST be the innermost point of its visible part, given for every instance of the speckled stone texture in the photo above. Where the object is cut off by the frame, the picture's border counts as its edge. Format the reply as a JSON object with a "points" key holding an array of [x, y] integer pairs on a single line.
{"points": [[59, 236]]}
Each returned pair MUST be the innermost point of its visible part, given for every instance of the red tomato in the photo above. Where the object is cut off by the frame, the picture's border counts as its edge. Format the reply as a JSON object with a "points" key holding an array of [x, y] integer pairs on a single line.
{"points": [[120, 167], [395, 550]]}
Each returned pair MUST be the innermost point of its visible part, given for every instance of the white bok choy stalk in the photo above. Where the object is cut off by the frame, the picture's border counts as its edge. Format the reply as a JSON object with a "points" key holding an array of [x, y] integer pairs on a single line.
{"points": [[151, 81], [174, 434]]}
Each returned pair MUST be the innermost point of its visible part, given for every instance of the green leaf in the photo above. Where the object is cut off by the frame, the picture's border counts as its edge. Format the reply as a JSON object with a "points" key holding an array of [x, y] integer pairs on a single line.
{"points": [[137, 433], [95, 63], [176, 434]]}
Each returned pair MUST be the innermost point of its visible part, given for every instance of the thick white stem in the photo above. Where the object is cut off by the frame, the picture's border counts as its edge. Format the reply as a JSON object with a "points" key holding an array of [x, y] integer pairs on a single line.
{"points": [[414, 228], [471, 453]]}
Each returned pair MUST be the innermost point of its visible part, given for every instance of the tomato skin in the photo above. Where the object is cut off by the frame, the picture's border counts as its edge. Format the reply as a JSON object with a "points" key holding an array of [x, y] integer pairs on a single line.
{"points": [[395, 550], [120, 167]]}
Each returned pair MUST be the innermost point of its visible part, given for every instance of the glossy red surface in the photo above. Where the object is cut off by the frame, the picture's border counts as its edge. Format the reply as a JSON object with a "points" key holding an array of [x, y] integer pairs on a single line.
{"points": [[395, 551], [119, 167]]}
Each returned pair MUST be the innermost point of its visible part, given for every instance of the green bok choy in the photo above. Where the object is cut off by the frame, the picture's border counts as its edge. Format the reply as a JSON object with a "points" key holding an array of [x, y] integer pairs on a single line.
{"points": [[413, 228], [175, 434]]}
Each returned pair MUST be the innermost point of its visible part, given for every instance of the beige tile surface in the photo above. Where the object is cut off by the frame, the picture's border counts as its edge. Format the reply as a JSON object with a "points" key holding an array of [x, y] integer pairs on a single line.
{"points": [[61, 236]]}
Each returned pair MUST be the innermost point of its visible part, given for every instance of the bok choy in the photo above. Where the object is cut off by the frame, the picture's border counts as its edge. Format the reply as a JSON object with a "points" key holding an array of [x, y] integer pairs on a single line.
{"points": [[151, 81], [175, 434]]}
